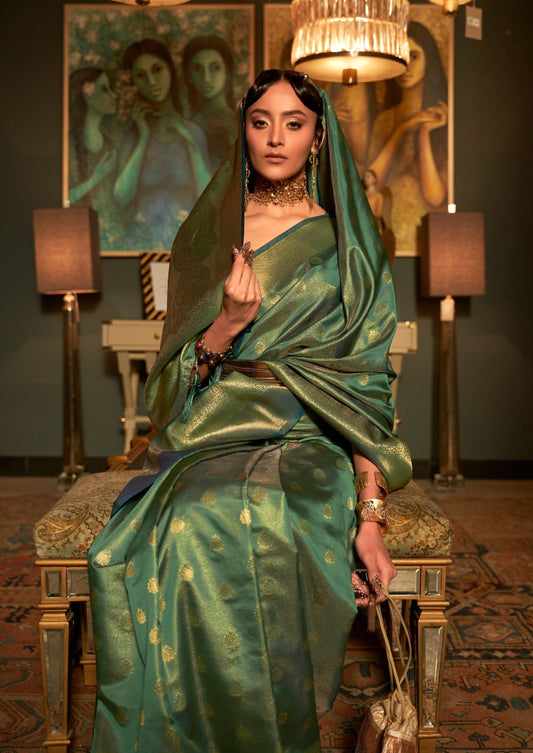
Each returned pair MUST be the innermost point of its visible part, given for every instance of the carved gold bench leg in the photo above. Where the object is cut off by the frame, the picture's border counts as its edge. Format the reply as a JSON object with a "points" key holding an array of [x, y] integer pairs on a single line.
{"points": [[432, 629], [63, 582], [54, 634], [88, 658]]}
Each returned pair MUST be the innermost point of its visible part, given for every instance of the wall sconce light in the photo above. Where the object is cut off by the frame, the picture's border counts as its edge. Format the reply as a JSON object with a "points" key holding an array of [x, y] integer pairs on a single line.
{"points": [[450, 7], [350, 41], [452, 264], [67, 260]]}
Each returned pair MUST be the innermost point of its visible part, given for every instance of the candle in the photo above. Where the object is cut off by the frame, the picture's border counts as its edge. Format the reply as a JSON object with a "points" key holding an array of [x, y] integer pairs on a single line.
{"points": [[447, 309]]}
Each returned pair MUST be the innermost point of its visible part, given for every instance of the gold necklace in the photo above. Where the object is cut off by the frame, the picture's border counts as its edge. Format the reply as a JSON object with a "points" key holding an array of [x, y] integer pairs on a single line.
{"points": [[280, 192]]}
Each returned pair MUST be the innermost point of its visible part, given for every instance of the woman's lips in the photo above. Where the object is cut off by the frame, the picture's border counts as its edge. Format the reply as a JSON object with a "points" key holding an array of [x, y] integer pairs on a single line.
{"points": [[276, 159]]}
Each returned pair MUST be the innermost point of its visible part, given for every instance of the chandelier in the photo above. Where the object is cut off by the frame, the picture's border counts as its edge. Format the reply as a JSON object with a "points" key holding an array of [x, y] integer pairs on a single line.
{"points": [[350, 41]]}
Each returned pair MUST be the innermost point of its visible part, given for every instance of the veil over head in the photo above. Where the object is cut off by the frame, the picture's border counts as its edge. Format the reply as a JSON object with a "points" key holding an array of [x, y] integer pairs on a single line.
{"points": [[202, 258]]}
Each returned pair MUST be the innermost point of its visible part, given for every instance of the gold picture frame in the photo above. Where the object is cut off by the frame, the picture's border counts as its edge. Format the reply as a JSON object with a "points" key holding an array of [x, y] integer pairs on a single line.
{"points": [[154, 266]]}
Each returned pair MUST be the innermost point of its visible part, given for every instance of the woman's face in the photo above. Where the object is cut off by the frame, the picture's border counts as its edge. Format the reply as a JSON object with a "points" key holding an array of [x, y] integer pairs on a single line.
{"points": [[152, 77], [369, 178], [280, 131], [99, 95], [416, 70], [208, 73]]}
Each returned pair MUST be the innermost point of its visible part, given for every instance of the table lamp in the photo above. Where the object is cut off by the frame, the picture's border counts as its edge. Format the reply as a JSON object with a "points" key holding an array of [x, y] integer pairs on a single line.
{"points": [[67, 260], [452, 264]]}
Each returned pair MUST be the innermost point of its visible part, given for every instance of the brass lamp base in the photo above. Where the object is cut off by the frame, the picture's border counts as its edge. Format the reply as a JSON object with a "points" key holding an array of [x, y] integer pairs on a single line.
{"points": [[73, 460], [448, 479], [448, 483]]}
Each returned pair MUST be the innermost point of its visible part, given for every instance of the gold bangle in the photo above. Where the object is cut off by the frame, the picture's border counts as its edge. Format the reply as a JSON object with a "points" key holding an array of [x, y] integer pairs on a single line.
{"points": [[209, 357], [374, 511], [362, 481]]}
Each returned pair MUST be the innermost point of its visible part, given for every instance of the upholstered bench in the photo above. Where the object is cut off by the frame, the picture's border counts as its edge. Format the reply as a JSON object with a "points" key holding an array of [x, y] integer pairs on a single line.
{"points": [[419, 540]]}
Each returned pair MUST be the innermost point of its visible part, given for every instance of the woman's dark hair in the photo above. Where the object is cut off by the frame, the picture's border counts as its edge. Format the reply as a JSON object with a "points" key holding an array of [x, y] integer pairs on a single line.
{"points": [[157, 48], [303, 87], [208, 42], [78, 110]]}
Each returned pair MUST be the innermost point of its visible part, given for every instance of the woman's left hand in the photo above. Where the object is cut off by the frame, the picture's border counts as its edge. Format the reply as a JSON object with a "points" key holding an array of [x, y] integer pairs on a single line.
{"points": [[374, 555]]}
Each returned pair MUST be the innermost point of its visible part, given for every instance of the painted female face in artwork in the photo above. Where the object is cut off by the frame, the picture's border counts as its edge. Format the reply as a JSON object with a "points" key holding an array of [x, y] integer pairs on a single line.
{"points": [[99, 95], [208, 73], [152, 77], [416, 70], [280, 132]]}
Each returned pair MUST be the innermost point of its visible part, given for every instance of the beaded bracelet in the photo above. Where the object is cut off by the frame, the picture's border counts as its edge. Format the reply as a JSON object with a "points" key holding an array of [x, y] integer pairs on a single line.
{"points": [[209, 357], [373, 510]]}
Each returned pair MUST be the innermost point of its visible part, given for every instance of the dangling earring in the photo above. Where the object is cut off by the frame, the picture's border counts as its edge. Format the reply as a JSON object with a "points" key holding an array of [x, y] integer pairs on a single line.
{"points": [[246, 181], [313, 161]]}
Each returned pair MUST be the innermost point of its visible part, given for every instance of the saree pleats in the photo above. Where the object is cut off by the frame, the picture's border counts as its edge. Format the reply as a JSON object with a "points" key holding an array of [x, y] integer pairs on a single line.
{"points": [[224, 603]]}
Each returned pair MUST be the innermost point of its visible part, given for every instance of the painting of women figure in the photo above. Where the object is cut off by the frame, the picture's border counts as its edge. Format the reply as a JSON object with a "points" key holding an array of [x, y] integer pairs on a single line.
{"points": [[165, 140], [163, 164], [408, 145], [92, 146], [208, 66]]}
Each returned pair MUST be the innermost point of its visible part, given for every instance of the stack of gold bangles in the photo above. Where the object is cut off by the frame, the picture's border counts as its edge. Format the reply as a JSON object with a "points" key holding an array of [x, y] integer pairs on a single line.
{"points": [[373, 510]]}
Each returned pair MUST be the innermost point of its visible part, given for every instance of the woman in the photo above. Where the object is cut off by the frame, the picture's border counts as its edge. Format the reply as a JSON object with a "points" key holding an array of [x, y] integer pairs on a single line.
{"points": [[163, 166], [208, 66], [222, 595], [408, 145], [92, 154]]}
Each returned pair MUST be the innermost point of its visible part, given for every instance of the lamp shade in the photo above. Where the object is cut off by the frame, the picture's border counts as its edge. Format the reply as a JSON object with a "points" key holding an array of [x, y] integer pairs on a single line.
{"points": [[453, 255], [350, 41], [67, 252]]}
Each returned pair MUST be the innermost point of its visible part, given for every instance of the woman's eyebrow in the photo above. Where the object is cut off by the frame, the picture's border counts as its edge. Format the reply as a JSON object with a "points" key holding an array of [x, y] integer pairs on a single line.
{"points": [[287, 113]]}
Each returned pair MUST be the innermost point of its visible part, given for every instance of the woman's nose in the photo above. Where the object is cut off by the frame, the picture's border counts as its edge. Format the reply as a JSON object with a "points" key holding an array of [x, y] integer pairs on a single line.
{"points": [[275, 137]]}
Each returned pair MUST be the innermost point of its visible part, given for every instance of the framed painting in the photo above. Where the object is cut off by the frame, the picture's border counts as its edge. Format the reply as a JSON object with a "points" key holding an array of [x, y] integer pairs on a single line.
{"points": [[400, 131], [149, 113], [154, 283]]}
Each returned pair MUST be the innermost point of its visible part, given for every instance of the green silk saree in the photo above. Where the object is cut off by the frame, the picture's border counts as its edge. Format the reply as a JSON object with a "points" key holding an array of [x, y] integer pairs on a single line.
{"points": [[221, 596]]}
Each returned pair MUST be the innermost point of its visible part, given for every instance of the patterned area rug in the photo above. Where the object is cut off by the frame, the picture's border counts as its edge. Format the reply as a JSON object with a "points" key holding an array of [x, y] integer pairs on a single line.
{"points": [[487, 701]]}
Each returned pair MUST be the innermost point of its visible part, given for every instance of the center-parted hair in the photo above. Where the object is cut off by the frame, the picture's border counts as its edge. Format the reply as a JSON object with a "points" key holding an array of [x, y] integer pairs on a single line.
{"points": [[303, 87]]}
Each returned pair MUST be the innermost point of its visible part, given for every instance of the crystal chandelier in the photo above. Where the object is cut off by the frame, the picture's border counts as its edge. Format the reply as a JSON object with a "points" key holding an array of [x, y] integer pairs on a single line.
{"points": [[350, 41]]}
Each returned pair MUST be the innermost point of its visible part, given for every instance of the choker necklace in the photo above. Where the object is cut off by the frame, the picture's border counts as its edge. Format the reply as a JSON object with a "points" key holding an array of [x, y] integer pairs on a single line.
{"points": [[281, 192]]}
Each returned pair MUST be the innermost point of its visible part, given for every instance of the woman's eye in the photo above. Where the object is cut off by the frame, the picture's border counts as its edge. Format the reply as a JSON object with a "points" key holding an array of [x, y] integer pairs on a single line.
{"points": [[259, 123], [415, 55], [294, 125]]}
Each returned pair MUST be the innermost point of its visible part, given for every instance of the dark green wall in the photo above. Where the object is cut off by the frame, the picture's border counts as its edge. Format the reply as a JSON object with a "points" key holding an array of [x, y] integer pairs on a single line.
{"points": [[493, 169]]}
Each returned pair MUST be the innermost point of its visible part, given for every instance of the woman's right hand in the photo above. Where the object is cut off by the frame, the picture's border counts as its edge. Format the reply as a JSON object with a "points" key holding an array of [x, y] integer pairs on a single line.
{"points": [[139, 114], [242, 298]]}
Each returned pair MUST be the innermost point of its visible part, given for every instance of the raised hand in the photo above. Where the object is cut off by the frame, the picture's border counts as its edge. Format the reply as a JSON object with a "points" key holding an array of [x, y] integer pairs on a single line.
{"points": [[242, 297]]}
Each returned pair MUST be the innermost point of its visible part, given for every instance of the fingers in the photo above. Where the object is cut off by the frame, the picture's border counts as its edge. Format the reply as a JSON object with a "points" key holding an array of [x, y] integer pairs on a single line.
{"points": [[375, 591], [361, 591]]}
